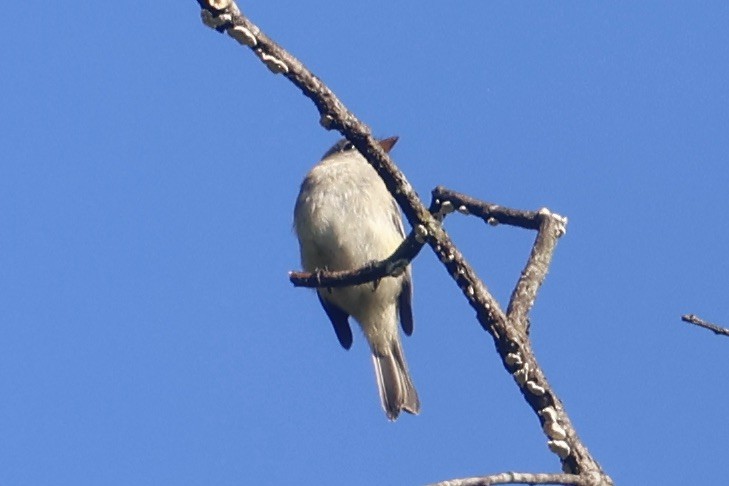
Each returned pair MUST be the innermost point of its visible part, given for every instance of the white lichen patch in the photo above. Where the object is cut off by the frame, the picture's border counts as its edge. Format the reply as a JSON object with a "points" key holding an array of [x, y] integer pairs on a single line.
{"points": [[559, 447], [243, 35]]}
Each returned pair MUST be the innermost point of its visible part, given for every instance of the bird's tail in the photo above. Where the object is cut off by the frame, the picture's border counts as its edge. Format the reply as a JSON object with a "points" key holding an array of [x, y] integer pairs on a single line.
{"points": [[397, 391]]}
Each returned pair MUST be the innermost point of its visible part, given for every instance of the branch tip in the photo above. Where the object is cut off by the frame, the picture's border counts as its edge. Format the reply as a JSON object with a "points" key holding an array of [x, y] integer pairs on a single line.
{"points": [[696, 320]]}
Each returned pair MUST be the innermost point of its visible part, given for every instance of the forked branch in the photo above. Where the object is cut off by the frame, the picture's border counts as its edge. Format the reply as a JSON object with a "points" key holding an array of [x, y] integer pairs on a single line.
{"points": [[509, 331]]}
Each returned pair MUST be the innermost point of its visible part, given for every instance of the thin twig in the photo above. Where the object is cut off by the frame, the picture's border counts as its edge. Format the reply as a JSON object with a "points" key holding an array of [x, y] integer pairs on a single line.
{"points": [[716, 329], [552, 226], [393, 265], [493, 214]]}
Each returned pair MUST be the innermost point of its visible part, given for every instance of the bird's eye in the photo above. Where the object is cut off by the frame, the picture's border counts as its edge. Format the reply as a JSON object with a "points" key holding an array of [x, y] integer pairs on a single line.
{"points": [[343, 145]]}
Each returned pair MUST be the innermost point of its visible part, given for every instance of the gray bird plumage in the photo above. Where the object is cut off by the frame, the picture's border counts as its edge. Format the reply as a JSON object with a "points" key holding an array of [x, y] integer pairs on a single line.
{"points": [[345, 218]]}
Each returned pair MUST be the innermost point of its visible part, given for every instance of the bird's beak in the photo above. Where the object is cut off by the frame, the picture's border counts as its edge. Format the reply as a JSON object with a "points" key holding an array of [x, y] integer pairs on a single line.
{"points": [[388, 143]]}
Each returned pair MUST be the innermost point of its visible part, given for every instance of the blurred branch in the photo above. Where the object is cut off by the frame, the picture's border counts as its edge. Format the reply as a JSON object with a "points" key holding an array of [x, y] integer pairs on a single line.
{"points": [[694, 319], [518, 478], [511, 339]]}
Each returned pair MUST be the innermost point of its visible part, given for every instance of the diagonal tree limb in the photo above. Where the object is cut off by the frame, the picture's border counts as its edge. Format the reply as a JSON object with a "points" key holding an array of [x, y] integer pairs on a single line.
{"points": [[511, 341]]}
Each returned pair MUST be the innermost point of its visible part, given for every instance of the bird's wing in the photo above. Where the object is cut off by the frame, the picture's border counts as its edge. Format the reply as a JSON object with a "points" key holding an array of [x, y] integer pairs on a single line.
{"points": [[340, 322], [405, 303], [405, 299]]}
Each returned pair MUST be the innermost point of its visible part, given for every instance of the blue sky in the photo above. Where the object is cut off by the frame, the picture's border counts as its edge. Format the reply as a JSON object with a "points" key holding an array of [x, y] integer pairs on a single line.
{"points": [[149, 334]]}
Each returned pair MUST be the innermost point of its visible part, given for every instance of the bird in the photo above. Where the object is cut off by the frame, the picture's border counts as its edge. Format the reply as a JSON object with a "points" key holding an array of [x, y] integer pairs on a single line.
{"points": [[344, 219]]}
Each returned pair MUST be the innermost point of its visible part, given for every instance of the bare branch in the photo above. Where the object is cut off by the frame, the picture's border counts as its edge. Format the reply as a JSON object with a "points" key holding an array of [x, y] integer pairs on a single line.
{"points": [[393, 265], [550, 228], [694, 319], [493, 214], [512, 342], [518, 478]]}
